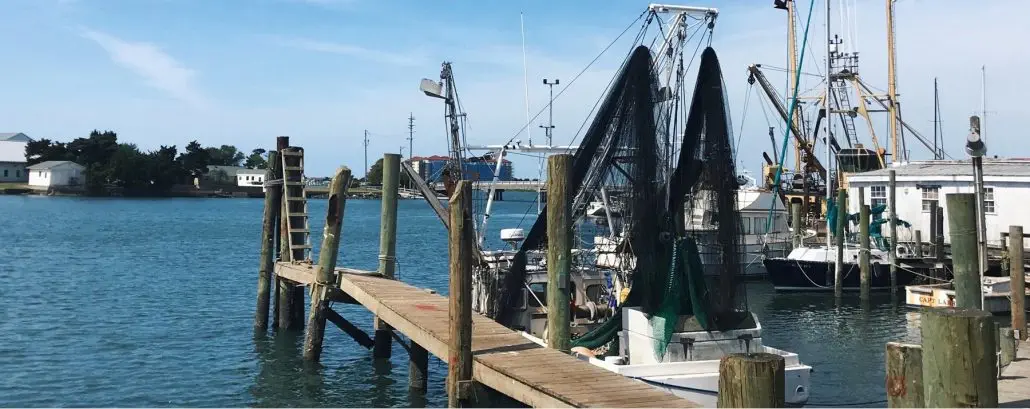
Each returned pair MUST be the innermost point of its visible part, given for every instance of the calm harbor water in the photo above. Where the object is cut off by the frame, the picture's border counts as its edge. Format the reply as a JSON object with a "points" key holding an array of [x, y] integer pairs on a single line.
{"points": [[149, 302]]}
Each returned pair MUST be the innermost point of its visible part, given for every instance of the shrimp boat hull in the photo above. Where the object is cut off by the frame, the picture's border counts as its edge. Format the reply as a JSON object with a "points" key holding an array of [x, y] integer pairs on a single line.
{"points": [[689, 367]]}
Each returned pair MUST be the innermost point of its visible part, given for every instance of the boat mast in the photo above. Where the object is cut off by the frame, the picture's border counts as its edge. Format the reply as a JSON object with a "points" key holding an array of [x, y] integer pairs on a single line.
{"points": [[829, 128], [792, 67], [936, 118], [983, 102], [892, 84], [525, 84]]}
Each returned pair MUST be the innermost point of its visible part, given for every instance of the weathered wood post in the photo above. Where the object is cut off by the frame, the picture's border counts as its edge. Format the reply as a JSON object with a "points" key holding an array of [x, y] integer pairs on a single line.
{"points": [[418, 367], [559, 251], [893, 229], [1007, 346], [863, 255], [934, 230], [964, 259], [939, 239], [1017, 282], [327, 255], [285, 304], [387, 246], [838, 264], [460, 242], [904, 376], [919, 244], [795, 224], [751, 381], [959, 359], [268, 239]]}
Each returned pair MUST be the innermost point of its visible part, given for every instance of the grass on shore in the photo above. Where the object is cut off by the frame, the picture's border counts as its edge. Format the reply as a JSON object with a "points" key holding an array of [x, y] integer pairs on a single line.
{"points": [[9, 185]]}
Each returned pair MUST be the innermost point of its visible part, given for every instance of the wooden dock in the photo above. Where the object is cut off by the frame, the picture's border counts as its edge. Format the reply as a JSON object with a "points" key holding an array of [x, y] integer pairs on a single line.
{"points": [[503, 359], [1014, 384]]}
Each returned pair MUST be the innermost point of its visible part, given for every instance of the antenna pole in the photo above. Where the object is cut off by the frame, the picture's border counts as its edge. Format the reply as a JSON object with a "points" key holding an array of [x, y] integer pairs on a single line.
{"points": [[411, 134], [550, 112], [983, 101], [936, 118], [892, 83]]}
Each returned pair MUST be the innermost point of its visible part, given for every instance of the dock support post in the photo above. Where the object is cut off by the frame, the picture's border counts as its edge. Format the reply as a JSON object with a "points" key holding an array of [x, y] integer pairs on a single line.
{"points": [[959, 358], [964, 259], [1017, 281], [418, 367], [863, 254], [904, 376], [838, 264], [387, 246], [559, 248], [938, 240], [751, 381], [326, 273], [918, 248], [460, 242], [286, 303], [893, 230], [795, 224], [268, 239]]}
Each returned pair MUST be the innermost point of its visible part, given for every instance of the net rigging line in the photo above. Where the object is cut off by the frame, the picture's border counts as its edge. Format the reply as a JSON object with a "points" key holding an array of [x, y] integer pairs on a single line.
{"points": [[581, 72], [793, 106]]}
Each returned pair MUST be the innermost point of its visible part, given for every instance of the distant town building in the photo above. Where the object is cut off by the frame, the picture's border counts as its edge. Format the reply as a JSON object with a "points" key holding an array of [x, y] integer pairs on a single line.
{"points": [[430, 167], [56, 173], [12, 157], [920, 184], [250, 178]]}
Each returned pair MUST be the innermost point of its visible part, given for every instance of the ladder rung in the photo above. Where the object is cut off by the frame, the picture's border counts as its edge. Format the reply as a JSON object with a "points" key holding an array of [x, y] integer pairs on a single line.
{"points": [[293, 168], [296, 198], [292, 153], [298, 230], [294, 183], [300, 246], [298, 215]]}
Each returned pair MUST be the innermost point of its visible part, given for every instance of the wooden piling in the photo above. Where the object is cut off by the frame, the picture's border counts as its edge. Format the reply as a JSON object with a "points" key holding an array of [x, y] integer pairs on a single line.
{"points": [[286, 301], [938, 240], [795, 224], [893, 230], [268, 239], [964, 249], [863, 254], [387, 246], [1006, 346], [934, 230], [751, 381], [1017, 282], [327, 255], [904, 376], [838, 265], [918, 248], [959, 360], [460, 242], [418, 367], [559, 250]]}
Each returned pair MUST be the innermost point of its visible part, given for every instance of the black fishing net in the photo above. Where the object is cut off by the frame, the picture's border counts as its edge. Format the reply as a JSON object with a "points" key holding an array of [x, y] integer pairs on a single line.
{"points": [[626, 152]]}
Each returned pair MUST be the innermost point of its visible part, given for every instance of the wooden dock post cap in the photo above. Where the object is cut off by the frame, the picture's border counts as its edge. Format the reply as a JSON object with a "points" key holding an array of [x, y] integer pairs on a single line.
{"points": [[751, 381]]}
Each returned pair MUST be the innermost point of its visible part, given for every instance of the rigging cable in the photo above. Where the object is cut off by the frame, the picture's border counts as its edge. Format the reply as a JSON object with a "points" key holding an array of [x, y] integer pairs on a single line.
{"points": [[743, 118], [793, 106]]}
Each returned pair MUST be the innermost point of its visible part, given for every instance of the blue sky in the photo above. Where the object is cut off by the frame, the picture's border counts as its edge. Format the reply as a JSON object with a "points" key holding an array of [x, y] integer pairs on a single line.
{"points": [[322, 71]]}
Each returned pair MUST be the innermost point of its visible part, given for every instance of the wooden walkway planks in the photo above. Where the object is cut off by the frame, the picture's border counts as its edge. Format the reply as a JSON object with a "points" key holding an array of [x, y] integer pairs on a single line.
{"points": [[504, 360], [1014, 385]]}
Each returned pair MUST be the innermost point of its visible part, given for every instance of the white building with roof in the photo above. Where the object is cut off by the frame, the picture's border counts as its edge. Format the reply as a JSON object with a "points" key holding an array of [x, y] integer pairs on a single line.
{"points": [[12, 157], [56, 173], [920, 183]]}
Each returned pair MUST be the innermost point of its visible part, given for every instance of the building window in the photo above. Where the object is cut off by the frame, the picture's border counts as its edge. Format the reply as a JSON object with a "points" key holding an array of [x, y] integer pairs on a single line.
{"points": [[988, 200], [930, 197], [760, 223], [745, 225], [5, 172], [877, 195], [17, 173]]}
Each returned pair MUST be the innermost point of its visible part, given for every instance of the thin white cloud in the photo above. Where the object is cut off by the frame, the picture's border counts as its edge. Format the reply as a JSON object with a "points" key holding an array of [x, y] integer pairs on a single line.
{"points": [[148, 61], [403, 59]]}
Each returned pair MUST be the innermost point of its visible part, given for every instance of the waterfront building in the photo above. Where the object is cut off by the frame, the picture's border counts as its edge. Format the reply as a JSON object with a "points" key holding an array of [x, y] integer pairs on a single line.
{"points": [[56, 174], [12, 157]]}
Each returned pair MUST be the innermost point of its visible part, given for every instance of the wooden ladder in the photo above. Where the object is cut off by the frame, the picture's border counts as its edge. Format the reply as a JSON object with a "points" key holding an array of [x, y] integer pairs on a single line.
{"points": [[296, 204]]}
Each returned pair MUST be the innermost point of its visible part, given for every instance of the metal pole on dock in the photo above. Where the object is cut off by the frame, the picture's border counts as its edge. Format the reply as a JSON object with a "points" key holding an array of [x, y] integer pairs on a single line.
{"points": [[387, 245], [959, 358], [863, 255], [327, 255], [892, 257], [559, 250], [460, 242], [904, 376], [964, 252], [838, 264], [1017, 281], [268, 239], [751, 381]]}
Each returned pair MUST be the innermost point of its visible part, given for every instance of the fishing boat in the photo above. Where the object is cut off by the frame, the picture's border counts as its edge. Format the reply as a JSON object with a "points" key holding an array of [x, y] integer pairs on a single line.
{"points": [[642, 304]]}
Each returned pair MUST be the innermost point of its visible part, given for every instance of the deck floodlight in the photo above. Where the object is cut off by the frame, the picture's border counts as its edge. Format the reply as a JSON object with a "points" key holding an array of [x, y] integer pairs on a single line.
{"points": [[431, 88], [975, 146]]}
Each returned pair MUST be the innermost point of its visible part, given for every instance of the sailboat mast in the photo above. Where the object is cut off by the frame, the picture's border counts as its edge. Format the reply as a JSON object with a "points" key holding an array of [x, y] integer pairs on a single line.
{"points": [[792, 67], [892, 83], [936, 118], [829, 129]]}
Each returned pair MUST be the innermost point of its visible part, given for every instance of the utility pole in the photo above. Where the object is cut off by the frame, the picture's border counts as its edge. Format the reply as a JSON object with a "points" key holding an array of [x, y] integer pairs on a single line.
{"points": [[411, 134], [550, 112], [366, 157]]}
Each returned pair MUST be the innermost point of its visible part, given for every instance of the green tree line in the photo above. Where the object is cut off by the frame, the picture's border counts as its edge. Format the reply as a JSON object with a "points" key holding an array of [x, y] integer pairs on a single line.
{"points": [[123, 165]]}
